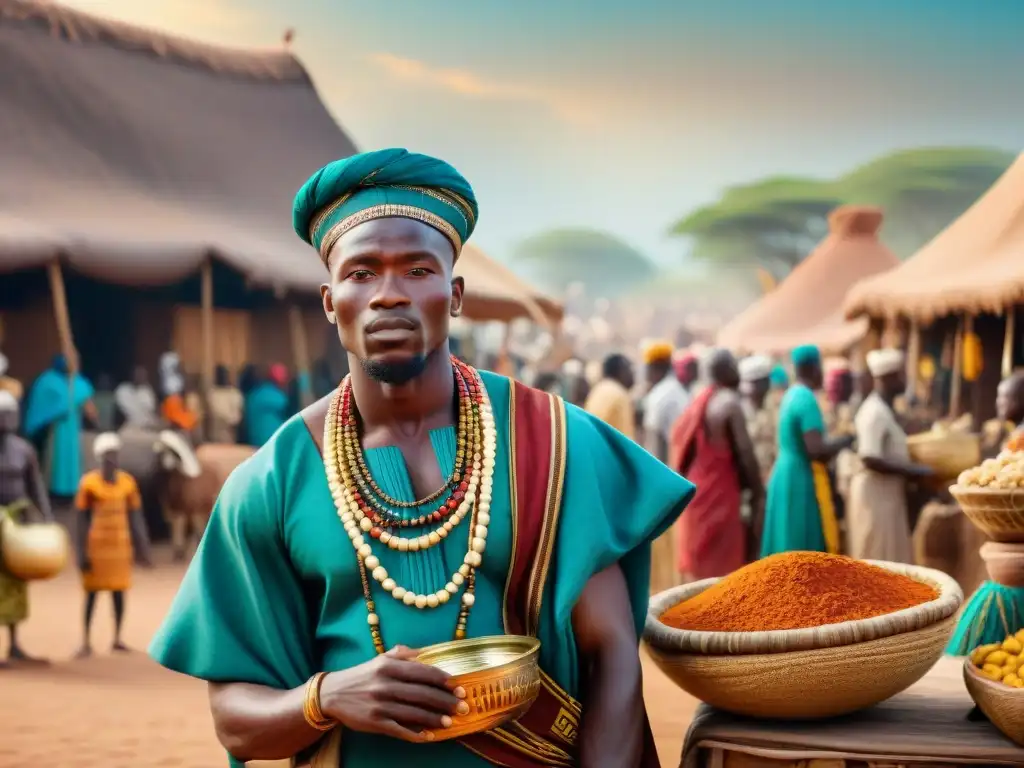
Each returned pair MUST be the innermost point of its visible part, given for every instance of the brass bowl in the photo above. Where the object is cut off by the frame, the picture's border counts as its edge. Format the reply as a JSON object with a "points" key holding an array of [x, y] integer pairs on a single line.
{"points": [[33, 552], [1002, 704], [500, 674]]}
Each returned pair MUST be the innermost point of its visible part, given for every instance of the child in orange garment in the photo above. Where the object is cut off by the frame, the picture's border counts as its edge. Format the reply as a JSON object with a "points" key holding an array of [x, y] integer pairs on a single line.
{"points": [[110, 506]]}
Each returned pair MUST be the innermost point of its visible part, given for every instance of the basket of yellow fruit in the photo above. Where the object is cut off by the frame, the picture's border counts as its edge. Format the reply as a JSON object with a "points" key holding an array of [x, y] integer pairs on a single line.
{"points": [[992, 674], [992, 496]]}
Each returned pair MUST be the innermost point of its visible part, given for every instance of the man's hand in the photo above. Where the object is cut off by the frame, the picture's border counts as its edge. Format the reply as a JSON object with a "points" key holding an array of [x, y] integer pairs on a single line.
{"points": [[393, 695]]}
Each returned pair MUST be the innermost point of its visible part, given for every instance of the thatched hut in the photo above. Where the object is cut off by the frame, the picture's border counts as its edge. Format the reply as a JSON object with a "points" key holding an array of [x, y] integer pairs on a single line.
{"points": [[968, 279], [806, 307], [145, 196]]}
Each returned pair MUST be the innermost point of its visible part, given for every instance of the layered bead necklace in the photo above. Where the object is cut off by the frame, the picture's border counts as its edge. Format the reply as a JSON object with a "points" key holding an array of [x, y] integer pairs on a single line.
{"points": [[366, 512]]}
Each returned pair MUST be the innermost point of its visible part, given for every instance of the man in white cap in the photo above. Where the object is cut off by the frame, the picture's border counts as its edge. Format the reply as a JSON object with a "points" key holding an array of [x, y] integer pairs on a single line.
{"points": [[877, 519], [21, 488], [755, 384]]}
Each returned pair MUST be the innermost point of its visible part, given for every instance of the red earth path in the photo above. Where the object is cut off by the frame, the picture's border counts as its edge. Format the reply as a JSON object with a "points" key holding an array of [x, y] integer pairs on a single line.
{"points": [[123, 711]]}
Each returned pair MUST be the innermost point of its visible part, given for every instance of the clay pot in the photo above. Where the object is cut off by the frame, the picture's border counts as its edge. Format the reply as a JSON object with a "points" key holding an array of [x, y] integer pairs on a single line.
{"points": [[1004, 563]]}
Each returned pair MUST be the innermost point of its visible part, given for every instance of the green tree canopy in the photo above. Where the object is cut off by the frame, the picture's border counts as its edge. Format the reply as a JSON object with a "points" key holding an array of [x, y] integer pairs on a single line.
{"points": [[602, 262], [776, 222]]}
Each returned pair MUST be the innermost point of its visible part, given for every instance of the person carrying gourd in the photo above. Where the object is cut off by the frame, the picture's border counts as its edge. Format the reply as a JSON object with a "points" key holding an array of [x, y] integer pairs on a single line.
{"points": [[21, 488]]}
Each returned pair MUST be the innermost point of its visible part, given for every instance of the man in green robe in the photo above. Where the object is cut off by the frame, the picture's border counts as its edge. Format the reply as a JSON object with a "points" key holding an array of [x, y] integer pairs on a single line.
{"points": [[285, 586]]}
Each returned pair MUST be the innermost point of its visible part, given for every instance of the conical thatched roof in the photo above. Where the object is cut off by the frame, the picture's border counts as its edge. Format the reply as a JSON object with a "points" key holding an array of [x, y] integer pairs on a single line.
{"points": [[976, 264], [806, 308]]}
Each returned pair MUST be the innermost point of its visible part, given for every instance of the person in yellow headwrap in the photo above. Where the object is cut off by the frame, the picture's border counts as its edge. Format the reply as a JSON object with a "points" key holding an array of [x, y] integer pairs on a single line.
{"points": [[421, 501], [666, 399]]}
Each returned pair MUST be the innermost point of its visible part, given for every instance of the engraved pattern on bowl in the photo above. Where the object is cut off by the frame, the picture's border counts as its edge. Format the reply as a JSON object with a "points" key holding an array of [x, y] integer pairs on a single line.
{"points": [[500, 674]]}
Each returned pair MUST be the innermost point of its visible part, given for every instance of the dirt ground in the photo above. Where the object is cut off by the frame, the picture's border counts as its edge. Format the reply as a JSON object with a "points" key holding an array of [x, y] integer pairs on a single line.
{"points": [[124, 711]]}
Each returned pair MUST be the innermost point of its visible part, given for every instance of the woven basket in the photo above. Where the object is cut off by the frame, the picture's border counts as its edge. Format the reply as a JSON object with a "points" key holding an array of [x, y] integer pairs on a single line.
{"points": [[1002, 704], [806, 673], [997, 512], [947, 453]]}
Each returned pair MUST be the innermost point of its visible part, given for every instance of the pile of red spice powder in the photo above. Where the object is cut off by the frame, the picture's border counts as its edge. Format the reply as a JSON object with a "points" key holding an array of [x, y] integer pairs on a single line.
{"points": [[797, 590]]}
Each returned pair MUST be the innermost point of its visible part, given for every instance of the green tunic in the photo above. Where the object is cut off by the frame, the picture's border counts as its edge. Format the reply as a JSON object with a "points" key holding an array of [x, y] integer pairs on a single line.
{"points": [[793, 519], [273, 593]]}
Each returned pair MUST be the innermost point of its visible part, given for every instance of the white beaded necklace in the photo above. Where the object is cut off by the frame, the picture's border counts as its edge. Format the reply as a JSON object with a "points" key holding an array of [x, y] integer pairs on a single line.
{"points": [[356, 523]]}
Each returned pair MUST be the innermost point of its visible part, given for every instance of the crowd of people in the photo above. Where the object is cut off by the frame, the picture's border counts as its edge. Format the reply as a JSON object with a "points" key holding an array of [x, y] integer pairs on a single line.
{"points": [[42, 466], [806, 456]]}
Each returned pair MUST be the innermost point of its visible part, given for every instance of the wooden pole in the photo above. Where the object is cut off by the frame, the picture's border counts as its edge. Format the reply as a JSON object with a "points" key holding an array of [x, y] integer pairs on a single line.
{"points": [[300, 349], [62, 315], [958, 364], [913, 357], [206, 309], [1009, 341]]}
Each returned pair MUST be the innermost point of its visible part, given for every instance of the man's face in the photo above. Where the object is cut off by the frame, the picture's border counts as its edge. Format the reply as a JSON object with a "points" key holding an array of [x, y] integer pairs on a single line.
{"points": [[1009, 400], [9, 421], [392, 295], [110, 460]]}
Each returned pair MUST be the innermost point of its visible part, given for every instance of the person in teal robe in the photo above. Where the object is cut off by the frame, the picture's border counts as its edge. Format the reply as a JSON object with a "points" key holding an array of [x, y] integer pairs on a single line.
{"points": [[799, 509], [273, 594], [53, 418], [266, 408]]}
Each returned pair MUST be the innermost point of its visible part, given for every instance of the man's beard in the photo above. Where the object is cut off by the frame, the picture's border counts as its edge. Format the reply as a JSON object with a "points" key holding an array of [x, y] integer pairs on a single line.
{"points": [[396, 372]]}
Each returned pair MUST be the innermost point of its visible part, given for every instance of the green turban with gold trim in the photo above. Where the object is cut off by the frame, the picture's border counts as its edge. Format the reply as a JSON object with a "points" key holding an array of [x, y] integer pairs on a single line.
{"points": [[387, 182]]}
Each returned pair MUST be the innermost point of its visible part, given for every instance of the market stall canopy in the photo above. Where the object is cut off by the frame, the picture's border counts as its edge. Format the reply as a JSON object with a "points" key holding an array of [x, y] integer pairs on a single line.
{"points": [[974, 265], [806, 307], [135, 155], [495, 292]]}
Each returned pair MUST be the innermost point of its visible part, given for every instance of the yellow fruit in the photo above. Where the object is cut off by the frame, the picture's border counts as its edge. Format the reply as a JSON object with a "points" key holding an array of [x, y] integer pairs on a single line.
{"points": [[997, 658], [1017, 683], [979, 653], [1020, 635], [1012, 663], [992, 672], [1011, 679], [1012, 645]]}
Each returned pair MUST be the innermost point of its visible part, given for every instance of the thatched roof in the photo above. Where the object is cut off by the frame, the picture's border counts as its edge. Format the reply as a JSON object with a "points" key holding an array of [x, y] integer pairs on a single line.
{"points": [[806, 307], [974, 265], [135, 155], [494, 292]]}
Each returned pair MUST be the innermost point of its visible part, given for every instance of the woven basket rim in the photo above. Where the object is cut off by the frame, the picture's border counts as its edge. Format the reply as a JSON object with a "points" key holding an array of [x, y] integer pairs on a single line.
{"points": [[958, 490], [970, 669], [933, 437], [668, 639]]}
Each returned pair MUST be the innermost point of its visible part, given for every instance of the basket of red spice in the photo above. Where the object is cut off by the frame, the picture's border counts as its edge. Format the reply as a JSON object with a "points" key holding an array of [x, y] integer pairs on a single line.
{"points": [[803, 635]]}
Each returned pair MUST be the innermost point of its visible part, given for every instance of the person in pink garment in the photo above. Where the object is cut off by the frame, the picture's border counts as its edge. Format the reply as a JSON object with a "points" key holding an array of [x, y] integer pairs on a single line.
{"points": [[711, 445]]}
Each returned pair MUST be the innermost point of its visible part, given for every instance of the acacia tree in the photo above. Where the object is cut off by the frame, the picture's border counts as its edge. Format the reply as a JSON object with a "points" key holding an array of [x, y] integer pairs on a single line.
{"points": [[776, 222], [602, 262]]}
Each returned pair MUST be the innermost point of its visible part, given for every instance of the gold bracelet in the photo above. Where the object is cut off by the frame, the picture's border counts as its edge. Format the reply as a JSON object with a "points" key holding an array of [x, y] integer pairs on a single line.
{"points": [[311, 706]]}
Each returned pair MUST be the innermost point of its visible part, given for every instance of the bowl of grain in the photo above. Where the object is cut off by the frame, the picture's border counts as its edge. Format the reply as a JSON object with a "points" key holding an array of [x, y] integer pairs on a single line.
{"points": [[803, 635], [992, 496]]}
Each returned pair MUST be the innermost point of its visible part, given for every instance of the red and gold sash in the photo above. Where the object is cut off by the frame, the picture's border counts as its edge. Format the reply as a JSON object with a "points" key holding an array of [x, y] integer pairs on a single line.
{"points": [[546, 735]]}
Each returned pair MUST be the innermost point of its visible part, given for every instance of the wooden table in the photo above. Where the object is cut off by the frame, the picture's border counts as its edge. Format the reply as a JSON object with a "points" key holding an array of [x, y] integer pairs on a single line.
{"points": [[926, 725]]}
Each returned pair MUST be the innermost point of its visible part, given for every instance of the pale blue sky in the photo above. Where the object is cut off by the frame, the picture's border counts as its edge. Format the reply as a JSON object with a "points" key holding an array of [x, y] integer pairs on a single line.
{"points": [[625, 115]]}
